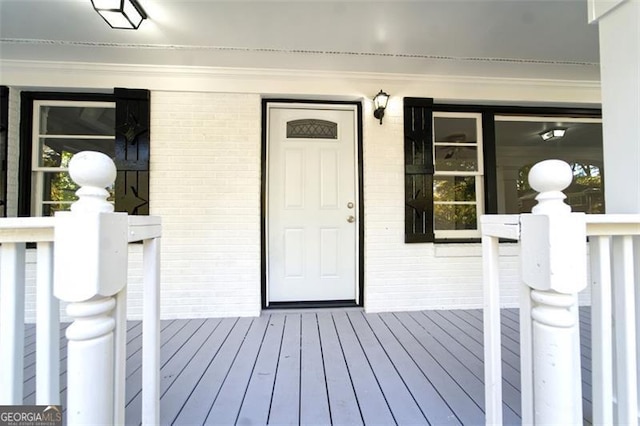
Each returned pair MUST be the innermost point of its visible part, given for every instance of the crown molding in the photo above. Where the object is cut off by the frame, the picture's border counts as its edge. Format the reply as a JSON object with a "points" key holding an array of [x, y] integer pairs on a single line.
{"points": [[274, 82]]}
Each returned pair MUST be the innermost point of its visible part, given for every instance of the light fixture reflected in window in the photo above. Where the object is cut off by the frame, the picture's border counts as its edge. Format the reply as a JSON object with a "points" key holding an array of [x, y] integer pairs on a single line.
{"points": [[121, 14], [380, 104], [552, 134]]}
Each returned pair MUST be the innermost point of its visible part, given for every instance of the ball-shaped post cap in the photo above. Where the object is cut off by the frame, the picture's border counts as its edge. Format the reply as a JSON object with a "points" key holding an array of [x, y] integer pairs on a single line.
{"points": [[89, 168], [550, 175]]}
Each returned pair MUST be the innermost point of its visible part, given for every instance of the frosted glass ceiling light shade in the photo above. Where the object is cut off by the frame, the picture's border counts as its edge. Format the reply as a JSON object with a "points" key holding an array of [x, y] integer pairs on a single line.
{"points": [[548, 135], [121, 14]]}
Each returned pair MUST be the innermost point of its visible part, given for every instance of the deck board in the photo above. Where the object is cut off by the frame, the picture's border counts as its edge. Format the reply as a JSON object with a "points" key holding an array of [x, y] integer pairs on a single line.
{"points": [[226, 406], [324, 367], [174, 354], [314, 401], [257, 400], [192, 373], [467, 359], [373, 404], [464, 407], [197, 403], [402, 403], [285, 400], [431, 403], [342, 398]]}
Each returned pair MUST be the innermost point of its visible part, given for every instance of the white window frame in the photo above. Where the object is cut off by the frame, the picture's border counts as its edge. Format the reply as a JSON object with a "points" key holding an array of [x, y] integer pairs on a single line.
{"points": [[38, 172], [478, 174]]}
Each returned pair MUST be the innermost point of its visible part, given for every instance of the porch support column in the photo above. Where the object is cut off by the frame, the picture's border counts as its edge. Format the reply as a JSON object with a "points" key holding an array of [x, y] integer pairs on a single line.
{"points": [[619, 25]]}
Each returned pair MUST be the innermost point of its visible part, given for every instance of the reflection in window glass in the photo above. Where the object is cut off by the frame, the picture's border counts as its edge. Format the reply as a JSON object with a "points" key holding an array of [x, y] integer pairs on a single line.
{"points": [[453, 217], [51, 209], [454, 188], [59, 187], [456, 158], [77, 120], [59, 192], [519, 146], [56, 152], [454, 130]]}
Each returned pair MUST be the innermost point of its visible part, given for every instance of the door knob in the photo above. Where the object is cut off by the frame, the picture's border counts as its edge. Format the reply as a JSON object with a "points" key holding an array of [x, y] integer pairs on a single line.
{"points": [[351, 219]]}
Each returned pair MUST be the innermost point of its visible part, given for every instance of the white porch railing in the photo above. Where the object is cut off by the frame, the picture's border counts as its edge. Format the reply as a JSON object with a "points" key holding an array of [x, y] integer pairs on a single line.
{"points": [[553, 252], [82, 258]]}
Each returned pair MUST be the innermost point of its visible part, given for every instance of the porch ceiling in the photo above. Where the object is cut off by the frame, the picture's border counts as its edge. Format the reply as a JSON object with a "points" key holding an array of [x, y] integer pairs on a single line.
{"points": [[501, 38]]}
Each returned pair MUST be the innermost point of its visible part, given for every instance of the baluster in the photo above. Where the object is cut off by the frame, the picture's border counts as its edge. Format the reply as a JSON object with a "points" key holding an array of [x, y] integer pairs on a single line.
{"points": [[492, 338], [90, 269], [12, 322], [151, 333], [47, 330], [554, 266], [601, 329], [626, 362]]}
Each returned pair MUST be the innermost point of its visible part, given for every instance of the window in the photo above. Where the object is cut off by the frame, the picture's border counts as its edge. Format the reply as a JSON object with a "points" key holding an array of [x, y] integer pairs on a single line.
{"points": [[457, 180], [4, 139], [311, 128], [519, 146], [54, 126], [462, 161], [60, 130]]}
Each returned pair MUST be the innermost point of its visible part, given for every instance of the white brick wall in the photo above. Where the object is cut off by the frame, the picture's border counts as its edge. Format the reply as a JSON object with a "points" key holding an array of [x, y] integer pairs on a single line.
{"points": [[205, 184]]}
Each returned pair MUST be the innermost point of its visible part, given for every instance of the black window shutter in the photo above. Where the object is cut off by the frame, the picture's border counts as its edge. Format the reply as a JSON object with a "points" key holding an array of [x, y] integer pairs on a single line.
{"points": [[418, 170], [133, 119], [4, 134]]}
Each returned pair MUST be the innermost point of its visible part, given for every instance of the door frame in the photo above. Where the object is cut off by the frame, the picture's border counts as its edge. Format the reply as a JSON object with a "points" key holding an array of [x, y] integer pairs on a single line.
{"points": [[263, 206]]}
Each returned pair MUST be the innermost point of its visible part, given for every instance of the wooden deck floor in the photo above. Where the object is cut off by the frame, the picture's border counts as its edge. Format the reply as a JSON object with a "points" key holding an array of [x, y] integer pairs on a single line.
{"points": [[325, 367]]}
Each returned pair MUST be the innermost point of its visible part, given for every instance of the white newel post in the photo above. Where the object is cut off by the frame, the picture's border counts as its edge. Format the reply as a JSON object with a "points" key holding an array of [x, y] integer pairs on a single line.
{"points": [[90, 268], [554, 267]]}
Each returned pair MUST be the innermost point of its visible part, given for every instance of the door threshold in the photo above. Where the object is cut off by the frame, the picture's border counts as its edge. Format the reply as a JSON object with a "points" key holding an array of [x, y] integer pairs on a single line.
{"points": [[314, 304]]}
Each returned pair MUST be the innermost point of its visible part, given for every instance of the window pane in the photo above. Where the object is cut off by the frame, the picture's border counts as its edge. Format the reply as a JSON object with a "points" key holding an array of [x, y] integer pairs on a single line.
{"points": [[77, 120], [312, 129], [50, 209], [450, 217], [586, 193], [59, 187], [456, 130], [456, 158], [519, 146], [56, 152], [454, 188]]}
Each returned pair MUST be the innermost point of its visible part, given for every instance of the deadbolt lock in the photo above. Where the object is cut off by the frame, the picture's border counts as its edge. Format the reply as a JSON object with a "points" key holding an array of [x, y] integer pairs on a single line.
{"points": [[350, 205]]}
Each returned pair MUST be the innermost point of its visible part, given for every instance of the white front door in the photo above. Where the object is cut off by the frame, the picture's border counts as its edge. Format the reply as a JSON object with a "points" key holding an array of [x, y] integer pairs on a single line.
{"points": [[311, 203]]}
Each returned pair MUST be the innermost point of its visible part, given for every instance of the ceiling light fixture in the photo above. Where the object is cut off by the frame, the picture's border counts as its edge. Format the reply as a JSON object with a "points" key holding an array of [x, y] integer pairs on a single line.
{"points": [[552, 134], [121, 14], [380, 104]]}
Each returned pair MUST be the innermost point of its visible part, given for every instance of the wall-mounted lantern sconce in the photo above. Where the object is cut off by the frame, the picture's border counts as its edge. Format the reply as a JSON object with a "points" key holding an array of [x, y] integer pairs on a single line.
{"points": [[379, 104], [553, 134], [121, 14]]}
